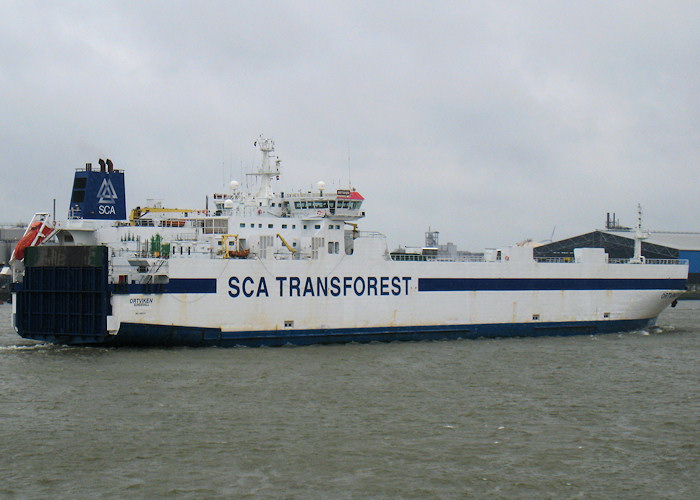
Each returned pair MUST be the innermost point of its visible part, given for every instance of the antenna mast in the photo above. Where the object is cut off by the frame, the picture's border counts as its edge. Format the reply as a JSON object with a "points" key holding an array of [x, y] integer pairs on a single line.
{"points": [[265, 172], [349, 177], [639, 235]]}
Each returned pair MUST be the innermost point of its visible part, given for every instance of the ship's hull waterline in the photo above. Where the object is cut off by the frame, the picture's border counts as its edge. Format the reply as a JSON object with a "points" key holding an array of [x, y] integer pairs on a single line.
{"points": [[257, 303]]}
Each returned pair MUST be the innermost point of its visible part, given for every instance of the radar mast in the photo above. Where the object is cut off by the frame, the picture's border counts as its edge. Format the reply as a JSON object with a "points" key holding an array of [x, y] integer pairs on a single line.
{"points": [[639, 235], [265, 172]]}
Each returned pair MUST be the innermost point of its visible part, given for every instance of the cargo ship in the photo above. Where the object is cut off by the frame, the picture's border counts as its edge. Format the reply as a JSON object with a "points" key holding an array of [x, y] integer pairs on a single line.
{"points": [[262, 268]]}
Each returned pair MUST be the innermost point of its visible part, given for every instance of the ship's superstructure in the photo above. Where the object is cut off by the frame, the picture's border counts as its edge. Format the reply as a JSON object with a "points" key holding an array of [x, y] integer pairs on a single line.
{"points": [[267, 268]]}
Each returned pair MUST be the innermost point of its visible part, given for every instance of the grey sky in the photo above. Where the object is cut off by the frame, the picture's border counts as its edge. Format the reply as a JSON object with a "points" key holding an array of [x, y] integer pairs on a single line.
{"points": [[489, 121]]}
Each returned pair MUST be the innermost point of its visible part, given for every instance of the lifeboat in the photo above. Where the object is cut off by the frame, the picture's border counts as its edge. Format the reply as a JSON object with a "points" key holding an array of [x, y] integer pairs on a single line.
{"points": [[173, 223], [35, 235], [239, 254]]}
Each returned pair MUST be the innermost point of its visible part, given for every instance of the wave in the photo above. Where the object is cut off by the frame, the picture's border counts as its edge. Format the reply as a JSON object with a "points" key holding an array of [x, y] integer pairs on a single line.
{"points": [[30, 347]]}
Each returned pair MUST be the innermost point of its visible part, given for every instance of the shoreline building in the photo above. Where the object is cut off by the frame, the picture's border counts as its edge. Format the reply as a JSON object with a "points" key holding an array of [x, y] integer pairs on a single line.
{"points": [[618, 242]]}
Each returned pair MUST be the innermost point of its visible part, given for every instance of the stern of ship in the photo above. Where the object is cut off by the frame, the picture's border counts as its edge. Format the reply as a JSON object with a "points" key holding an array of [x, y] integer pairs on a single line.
{"points": [[64, 295]]}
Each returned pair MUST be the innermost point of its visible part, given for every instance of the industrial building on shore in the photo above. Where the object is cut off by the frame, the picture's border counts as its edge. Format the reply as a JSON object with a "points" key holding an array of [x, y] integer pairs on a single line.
{"points": [[618, 242]]}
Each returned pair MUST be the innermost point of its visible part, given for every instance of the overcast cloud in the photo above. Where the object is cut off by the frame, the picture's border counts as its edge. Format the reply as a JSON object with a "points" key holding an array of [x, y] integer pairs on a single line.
{"points": [[491, 122]]}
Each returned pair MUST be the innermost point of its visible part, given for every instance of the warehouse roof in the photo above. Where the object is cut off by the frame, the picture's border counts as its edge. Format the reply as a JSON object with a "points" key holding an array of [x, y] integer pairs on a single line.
{"points": [[677, 240]]}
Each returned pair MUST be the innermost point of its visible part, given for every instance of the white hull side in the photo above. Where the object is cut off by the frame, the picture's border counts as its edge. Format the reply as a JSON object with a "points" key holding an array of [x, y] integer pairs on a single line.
{"points": [[273, 305]]}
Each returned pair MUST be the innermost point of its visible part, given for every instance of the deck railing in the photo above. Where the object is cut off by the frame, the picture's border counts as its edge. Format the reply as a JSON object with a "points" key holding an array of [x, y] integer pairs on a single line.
{"points": [[411, 257], [545, 260], [370, 234]]}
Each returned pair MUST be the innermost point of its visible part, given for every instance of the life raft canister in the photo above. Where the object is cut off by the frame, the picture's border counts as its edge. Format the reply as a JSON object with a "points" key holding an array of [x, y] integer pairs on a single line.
{"points": [[32, 237]]}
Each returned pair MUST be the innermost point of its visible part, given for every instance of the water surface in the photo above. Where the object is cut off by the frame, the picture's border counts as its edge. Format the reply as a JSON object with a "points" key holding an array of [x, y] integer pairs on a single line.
{"points": [[565, 417]]}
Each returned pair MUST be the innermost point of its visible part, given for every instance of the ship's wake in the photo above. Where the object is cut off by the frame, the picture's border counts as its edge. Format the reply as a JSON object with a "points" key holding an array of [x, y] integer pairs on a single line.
{"points": [[32, 347], [654, 330]]}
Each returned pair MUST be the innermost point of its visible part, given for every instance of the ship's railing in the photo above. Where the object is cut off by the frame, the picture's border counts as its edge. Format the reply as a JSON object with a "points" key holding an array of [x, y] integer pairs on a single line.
{"points": [[458, 258], [185, 237], [408, 257], [370, 234], [680, 262], [414, 257], [75, 213], [617, 260]]}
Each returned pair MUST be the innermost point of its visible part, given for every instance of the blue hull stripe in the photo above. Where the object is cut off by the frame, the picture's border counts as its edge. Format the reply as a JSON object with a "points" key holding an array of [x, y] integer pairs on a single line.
{"points": [[175, 285], [208, 285], [523, 284], [132, 334]]}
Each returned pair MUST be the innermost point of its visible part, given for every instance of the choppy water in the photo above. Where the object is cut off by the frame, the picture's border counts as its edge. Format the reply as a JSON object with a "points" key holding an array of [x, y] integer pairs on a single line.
{"points": [[578, 417]]}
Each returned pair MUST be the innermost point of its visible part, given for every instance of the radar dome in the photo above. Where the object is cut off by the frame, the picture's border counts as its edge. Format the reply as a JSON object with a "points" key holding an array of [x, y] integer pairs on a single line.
{"points": [[321, 185], [234, 185], [228, 204]]}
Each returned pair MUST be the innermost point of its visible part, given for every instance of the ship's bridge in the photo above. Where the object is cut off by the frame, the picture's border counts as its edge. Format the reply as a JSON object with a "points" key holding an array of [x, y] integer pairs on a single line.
{"points": [[343, 204]]}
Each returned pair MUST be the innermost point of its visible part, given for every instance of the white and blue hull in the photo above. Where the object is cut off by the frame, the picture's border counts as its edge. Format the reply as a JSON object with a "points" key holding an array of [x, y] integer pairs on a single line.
{"points": [[291, 268], [257, 302]]}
